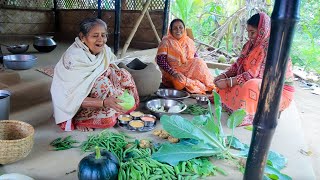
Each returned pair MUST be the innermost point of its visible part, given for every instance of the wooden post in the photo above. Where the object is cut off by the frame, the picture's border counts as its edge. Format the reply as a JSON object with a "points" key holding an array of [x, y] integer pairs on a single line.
{"points": [[135, 27], [283, 19], [153, 27]]}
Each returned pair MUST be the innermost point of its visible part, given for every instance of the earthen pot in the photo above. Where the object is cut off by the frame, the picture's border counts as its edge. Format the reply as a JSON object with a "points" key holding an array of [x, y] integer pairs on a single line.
{"points": [[147, 79], [44, 43]]}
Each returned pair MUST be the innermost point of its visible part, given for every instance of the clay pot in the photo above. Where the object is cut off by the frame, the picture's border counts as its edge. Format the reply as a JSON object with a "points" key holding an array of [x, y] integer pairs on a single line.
{"points": [[147, 79], [44, 43]]}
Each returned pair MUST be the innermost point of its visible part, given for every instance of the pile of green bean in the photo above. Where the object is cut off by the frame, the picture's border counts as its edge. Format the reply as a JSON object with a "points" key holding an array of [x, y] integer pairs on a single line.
{"points": [[138, 164], [60, 144], [196, 109], [113, 142]]}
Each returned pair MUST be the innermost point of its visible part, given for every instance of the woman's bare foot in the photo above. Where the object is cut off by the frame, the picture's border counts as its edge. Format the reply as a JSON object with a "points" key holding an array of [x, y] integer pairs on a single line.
{"points": [[84, 129]]}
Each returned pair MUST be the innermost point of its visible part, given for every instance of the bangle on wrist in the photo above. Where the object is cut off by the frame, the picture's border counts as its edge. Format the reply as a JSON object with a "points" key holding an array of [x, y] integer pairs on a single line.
{"points": [[230, 82], [225, 75]]}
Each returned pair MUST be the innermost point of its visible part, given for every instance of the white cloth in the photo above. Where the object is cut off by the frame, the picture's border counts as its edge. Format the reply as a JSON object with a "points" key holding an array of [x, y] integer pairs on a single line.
{"points": [[74, 76]]}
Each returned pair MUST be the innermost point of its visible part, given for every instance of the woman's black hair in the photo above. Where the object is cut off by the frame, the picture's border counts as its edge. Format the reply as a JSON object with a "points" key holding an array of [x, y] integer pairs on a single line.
{"points": [[254, 20], [87, 24], [173, 21]]}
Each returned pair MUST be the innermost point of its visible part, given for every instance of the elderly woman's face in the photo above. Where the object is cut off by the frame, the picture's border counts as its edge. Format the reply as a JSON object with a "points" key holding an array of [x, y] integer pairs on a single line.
{"points": [[96, 39], [177, 29]]}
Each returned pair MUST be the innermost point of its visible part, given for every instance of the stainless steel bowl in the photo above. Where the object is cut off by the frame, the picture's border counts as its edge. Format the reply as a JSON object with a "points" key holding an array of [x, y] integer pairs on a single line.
{"points": [[19, 62], [18, 49], [124, 118], [202, 100], [136, 114], [172, 94], [148, 123], [139, 128], [154, 105]]}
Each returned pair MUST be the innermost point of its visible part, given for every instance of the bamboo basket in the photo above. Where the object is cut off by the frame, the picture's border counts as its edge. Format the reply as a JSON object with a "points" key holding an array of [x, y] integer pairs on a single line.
{"points": [[16, 140]]}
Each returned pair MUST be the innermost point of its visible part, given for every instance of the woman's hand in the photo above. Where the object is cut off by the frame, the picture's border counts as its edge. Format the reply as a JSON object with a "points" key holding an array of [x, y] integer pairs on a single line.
{"points": [[179, 76], [219, 77], [112, 102], [222, 83]]}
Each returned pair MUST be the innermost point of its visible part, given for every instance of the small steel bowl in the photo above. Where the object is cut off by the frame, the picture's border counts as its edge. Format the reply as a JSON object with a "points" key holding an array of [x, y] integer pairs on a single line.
{"points": [[124, 118], [135, 127], [202, 100], [136, 114], [148, 123], [17, 49]]}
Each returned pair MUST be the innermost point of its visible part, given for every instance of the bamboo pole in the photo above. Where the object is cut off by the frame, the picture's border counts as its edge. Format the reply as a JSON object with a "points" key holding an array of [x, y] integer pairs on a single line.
{"points": [[153, 27], [135, 27], [283, 19]]}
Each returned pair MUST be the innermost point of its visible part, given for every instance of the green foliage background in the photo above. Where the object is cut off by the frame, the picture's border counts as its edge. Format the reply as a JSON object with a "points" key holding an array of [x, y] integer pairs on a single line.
{"points": [[206, 16]]}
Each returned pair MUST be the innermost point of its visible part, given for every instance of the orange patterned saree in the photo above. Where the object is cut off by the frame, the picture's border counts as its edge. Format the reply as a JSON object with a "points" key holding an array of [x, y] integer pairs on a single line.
{"points": [[248, 70], [181, 58]]}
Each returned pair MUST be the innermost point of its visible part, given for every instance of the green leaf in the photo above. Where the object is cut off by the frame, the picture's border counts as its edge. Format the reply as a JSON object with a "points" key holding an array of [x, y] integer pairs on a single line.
{"points": [[235, 143], [236, 118], [274, 173], [218, 110], [278, 161], [249, 128], [200, 120], [174, 153], [182, 128]]}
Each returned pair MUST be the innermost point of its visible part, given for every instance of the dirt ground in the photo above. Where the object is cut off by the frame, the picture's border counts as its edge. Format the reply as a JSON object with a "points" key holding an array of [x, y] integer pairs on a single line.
{"points": [[308, 105]]}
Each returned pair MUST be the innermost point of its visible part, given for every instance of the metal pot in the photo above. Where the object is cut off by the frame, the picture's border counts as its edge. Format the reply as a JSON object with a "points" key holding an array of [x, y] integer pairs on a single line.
{"points": [[17, 49], [4, 104], [44, 43], [19, 62]]}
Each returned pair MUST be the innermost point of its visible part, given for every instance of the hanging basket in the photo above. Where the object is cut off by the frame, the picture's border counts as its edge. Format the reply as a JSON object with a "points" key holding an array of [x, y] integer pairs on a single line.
{"points": [[16, 140]]}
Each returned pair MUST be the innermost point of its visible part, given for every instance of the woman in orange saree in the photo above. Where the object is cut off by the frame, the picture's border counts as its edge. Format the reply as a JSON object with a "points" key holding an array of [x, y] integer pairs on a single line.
{"points": [[239, 85], [179, 64]]}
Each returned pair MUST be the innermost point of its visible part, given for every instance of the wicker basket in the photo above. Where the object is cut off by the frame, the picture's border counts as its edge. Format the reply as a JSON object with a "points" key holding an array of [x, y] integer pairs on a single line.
{"points": [[16, 140]]}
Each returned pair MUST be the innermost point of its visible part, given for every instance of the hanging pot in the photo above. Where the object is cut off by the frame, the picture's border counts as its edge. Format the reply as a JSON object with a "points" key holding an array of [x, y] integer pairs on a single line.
{"points": [[44, 43]]}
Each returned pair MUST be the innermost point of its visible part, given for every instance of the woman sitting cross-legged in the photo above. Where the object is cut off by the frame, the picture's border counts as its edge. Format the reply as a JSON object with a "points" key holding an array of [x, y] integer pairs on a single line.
{"points": [[239, 86], [86, 82], [180, 66]]}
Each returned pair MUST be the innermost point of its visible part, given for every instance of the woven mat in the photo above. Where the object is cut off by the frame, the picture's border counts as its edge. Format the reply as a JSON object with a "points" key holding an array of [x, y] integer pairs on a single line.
{"points": [[47, 70]]}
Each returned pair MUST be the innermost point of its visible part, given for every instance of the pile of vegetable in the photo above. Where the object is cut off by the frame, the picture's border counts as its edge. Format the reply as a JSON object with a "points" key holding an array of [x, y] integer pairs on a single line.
{"points": [[187, 157], [196, 109], [203, 136], [63, 143]]}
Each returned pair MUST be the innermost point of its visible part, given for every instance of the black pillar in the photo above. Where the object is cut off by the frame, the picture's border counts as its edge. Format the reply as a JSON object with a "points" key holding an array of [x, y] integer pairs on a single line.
{"points": [[56, 16], [165, 17], [99, 9], [283, 20], [117, 22]]}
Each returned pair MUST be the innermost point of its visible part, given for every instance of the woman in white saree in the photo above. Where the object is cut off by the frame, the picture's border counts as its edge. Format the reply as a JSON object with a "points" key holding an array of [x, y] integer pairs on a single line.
{"points": [[86, 82]]}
